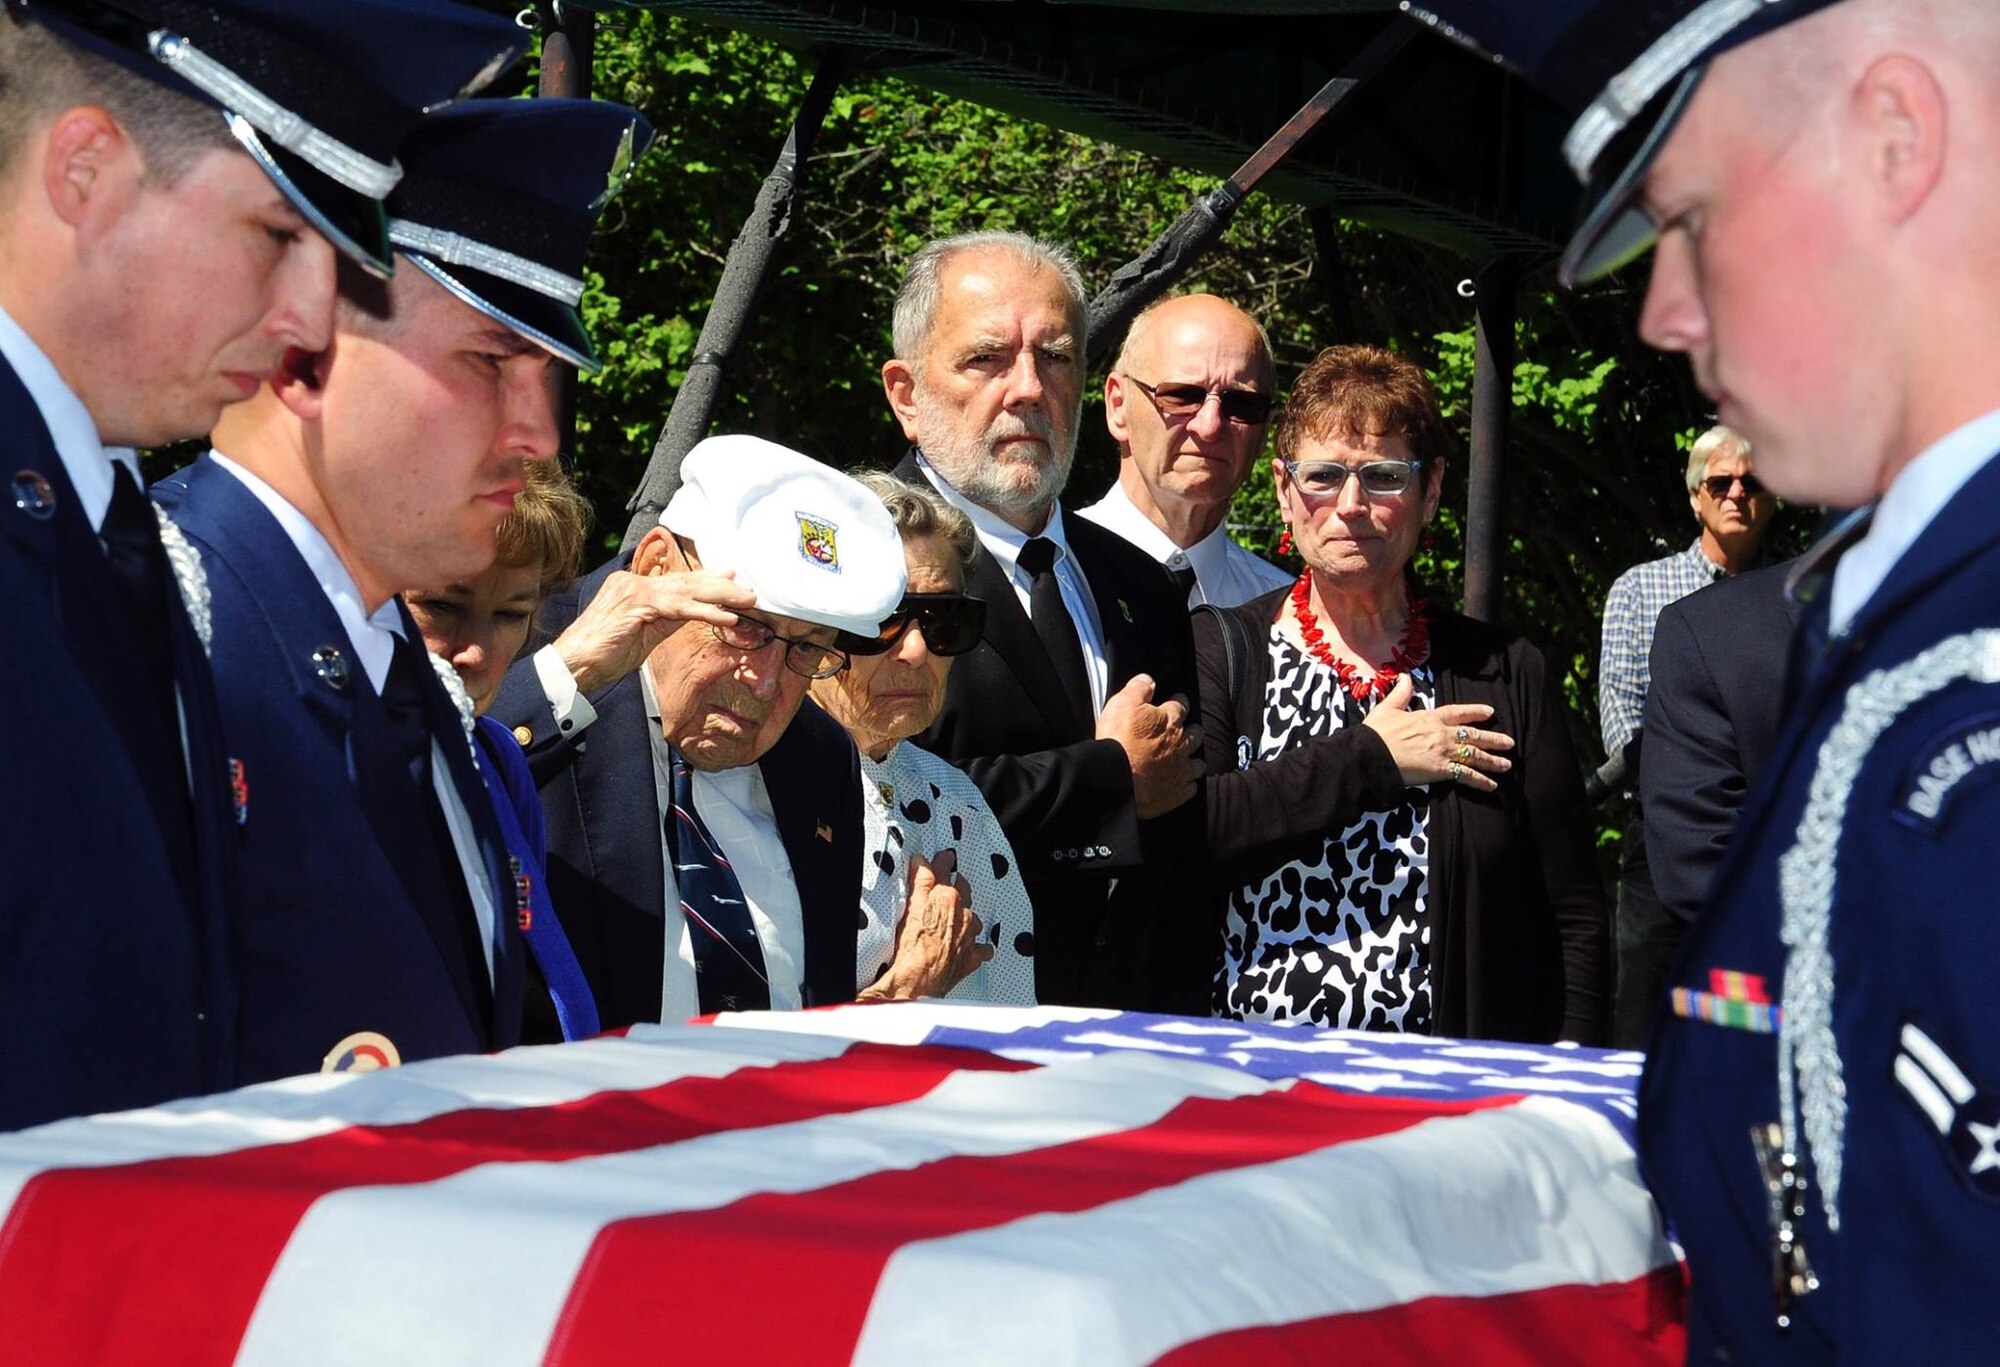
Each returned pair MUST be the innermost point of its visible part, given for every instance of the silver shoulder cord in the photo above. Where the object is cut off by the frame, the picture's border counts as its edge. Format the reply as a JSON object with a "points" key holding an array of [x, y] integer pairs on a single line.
{"points": [[1810, 1079]]}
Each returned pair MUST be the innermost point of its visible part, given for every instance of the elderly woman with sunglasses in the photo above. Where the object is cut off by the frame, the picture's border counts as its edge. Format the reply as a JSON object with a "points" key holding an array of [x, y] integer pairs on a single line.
{"points": [[1396, 817], [925, 821]]}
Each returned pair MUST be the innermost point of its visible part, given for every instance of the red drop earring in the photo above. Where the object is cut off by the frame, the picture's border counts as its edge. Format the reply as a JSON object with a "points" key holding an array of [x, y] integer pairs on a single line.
{"points": [[1285, 543]]}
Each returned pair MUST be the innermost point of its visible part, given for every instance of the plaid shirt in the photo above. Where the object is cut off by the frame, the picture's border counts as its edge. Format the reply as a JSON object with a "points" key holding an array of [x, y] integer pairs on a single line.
{"points": [[1631, 610]]}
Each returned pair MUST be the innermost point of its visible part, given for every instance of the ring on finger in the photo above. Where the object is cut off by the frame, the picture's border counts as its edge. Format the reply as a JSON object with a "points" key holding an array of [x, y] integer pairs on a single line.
{"points": [[1463, 735], [1465, 752], [1454, 769]]}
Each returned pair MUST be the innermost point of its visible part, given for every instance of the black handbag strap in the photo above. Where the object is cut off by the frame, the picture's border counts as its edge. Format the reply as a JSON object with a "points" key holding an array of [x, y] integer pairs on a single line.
{"points": [[1235, 655]]}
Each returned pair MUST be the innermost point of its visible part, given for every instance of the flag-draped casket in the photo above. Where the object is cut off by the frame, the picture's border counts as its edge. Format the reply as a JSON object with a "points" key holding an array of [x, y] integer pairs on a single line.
{"points": [[905, 1184]]}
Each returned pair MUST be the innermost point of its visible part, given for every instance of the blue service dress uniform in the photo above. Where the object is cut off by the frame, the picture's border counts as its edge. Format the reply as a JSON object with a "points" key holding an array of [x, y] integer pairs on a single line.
{"points": [[341, 930], [1897, 722], [115, 986]]}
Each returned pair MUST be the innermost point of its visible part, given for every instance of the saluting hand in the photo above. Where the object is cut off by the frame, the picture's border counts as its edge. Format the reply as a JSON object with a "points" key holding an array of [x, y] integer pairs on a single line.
{"points": [[1441, 742], [633, 613]]}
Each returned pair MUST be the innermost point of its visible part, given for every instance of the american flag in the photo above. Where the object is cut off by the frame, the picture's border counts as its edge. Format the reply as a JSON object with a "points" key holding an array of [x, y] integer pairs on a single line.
{"points": [[884, 1184]]}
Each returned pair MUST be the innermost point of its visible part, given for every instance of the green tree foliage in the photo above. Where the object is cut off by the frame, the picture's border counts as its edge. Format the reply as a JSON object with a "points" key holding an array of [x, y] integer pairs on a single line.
{"points": [[1593, 480]]}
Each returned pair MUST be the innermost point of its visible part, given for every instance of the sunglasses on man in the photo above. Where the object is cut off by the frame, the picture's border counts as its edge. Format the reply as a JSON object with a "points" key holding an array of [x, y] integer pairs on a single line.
{"points": [[1379, 478], [1244, 406], [1718, 485], [951, 623]]}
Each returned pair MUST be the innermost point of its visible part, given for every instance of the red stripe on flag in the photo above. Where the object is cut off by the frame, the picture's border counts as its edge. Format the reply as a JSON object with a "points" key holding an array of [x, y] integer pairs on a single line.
{"points": [[163, 1261], [702, 1281], [1640, 1321]]}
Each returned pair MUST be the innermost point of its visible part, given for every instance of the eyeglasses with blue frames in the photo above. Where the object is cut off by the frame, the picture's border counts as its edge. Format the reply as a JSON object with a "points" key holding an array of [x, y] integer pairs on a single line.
{"points": [[1379, 478], [1244, 406], [807, 658]]}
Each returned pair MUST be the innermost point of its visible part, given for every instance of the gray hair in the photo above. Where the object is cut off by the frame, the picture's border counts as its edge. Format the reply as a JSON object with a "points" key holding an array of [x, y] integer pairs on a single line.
{"points": [[1719, 440], [917, 299], [920, 511]]}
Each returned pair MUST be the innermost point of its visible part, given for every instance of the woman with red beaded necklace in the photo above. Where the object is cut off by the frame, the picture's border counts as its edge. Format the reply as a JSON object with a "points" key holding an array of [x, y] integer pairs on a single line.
{"points": [[1396, 818]]}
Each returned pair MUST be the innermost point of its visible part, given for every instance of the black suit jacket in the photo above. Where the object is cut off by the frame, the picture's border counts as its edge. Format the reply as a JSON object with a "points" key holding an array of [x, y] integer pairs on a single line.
{"points": [[606, 876], [1065, 798], [1712, 715]]}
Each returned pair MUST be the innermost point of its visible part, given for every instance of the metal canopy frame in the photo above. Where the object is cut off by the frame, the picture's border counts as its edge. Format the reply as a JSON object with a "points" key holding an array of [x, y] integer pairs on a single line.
{"points": [[1438, 146]]}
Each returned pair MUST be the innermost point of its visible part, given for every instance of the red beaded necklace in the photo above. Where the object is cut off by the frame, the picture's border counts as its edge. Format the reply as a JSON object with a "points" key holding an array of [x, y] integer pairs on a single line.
{"points": [[1412, 650]]}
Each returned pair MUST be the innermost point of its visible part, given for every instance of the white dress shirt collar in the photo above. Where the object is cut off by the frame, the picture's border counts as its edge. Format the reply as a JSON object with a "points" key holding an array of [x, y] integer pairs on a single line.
{"points": [[1912, 503], [1001, 538], [1225, 573], [86, 459], [369, 633]]}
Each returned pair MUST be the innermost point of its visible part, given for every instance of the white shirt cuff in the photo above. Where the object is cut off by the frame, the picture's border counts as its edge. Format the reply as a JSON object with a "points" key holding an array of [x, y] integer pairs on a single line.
{"points": [[571, 710]]}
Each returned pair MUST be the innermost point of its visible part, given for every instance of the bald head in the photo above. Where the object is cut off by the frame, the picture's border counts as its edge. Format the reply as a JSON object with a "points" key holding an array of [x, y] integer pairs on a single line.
{"points": [[1180, 468], [1192, 321]]}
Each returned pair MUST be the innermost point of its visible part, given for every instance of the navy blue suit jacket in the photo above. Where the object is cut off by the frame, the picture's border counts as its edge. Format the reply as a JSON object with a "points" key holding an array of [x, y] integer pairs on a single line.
{"points": [[336, 934], [115, 986], [1914, 937], [605, 866]]}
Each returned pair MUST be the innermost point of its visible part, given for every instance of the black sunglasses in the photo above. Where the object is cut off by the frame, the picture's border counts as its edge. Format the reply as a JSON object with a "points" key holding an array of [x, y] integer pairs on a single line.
{"points": [[1718, 485], [1244, 406], [951, 623]]}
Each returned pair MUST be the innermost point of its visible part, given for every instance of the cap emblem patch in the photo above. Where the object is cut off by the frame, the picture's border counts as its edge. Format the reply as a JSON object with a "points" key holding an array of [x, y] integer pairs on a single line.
{"points": [[817, 541]]}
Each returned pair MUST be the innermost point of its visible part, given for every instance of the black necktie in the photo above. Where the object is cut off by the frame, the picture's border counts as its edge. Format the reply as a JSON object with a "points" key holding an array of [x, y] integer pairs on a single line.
{"points": [[131, 535], [405, 699], [1053, 625], [1183, 578]]}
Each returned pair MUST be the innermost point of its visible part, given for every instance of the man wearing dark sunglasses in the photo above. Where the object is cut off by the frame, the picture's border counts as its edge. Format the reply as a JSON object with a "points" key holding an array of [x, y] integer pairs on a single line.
{"points": [[1732, 510], [1188, 403]]}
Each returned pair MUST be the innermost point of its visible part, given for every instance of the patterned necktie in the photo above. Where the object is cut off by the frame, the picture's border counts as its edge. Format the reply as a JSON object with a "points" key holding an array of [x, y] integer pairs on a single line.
{"points": [[403, 697], [1053, 625], [728, 960]]}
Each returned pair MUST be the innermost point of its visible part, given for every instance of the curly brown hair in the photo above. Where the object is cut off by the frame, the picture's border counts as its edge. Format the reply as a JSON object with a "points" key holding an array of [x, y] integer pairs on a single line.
{"points": [[1362, 391]]}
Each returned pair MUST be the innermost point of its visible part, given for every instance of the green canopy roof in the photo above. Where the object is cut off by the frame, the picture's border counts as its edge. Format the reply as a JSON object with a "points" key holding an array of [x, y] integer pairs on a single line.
{"points": [[1439, 145]]}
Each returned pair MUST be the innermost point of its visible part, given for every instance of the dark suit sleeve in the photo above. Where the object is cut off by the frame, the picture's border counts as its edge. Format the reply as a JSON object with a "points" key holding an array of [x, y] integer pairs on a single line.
{"points": [[1258, 817], [1692, 784], [1055, 803], [521, 700], [1559, 827]]}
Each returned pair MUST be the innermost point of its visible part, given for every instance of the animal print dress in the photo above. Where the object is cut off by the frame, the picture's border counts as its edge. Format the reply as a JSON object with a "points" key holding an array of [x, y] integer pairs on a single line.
{"points": [[1339, 938]]}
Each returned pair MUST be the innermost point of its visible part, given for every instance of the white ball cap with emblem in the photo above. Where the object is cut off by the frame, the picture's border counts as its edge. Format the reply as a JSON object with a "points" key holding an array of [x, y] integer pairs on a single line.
{"points": [[811, 542]]}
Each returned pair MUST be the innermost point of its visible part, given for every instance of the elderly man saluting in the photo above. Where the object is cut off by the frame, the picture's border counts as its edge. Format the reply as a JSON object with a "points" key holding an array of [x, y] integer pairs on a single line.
{"points": [[704, 816], [1065, 715], [1820, 1117]]}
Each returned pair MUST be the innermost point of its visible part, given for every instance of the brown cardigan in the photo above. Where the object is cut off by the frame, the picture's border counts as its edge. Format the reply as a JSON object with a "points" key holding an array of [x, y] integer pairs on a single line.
{"points": [[1518, 928]]}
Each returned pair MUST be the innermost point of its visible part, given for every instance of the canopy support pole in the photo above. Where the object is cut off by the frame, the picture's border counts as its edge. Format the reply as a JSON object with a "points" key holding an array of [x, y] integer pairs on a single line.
{"points": [[568, 42], [743, 274], [1492, 399]]}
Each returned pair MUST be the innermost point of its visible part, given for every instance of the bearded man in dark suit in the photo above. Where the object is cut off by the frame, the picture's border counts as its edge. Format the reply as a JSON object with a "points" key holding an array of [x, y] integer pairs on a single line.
{"points": [[1070, 714]]}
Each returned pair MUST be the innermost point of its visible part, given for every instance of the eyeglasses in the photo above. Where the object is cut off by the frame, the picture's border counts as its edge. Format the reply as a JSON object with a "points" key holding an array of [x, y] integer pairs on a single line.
{"points": [[804, 657], [1245, 406], [1718, 485], [951, 623], [1379, 478]]}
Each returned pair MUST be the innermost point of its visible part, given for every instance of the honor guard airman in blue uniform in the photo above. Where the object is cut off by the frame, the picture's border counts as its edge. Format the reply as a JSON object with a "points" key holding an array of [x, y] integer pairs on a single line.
{"points": [[383, 901], [1820, 1117], [178, 176]]}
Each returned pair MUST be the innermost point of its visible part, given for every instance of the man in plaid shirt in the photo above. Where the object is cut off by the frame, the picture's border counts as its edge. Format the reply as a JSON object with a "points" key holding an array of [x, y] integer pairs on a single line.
{"points": [[1732, 509]]}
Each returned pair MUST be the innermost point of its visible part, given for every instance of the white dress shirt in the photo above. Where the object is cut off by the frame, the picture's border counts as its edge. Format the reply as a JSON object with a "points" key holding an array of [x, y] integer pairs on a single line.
{"points": [[1003, 541], [373, 638], [86, 459], [1225, 574], [736, 807], [1912, 503]]}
